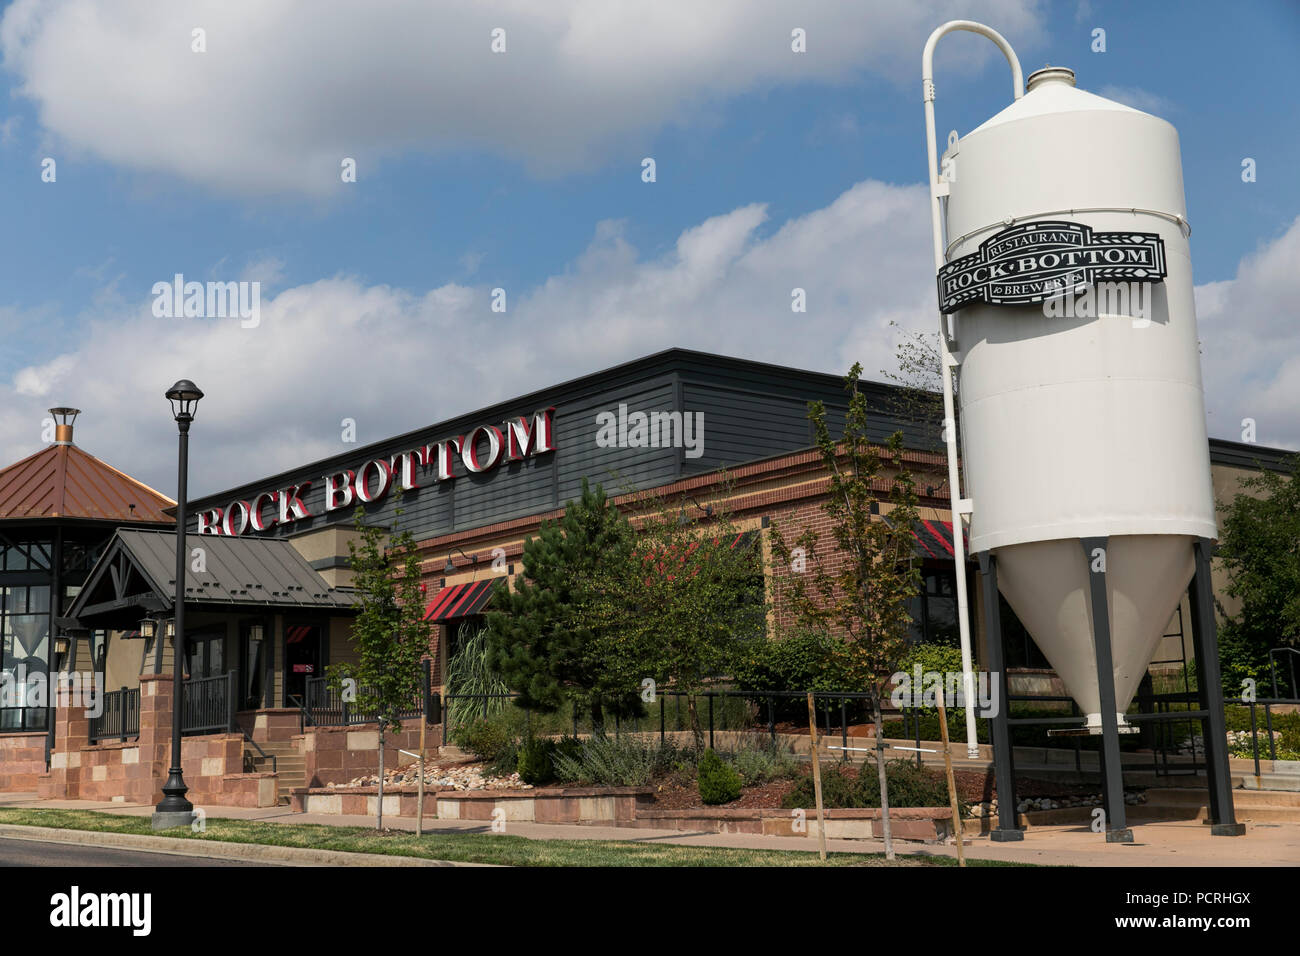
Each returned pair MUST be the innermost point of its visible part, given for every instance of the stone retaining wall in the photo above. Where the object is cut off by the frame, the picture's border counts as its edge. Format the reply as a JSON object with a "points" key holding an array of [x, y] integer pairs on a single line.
{"points": [[22, 760], [623, 807], [340, 754], [607, 806]]}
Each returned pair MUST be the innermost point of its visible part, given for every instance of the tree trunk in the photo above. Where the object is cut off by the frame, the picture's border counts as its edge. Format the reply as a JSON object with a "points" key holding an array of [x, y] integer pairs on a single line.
{"points": [[693, 712], [880, 772], [380, 803], [597, 719]]}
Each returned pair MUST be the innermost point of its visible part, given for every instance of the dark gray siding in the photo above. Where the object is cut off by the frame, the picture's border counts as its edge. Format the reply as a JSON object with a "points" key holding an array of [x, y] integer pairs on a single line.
{"points": [[742, 426], [618, 469], [751, 411]]}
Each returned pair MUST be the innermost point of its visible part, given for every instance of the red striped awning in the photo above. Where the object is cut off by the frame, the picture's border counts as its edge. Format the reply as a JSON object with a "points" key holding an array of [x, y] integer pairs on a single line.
{"points": [[663, 560], [460, 600], [933, 539]]}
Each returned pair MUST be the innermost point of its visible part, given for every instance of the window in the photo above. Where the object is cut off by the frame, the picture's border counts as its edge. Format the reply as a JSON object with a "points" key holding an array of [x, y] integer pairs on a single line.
{"points": [[24, 653], [205, 655], [934, 609], [256, 649], [1020, 649], [25, 556]]}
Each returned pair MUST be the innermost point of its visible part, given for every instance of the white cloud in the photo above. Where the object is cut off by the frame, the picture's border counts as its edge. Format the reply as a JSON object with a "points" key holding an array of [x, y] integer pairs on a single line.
{"points": [[395, 360], [286, 90], [1139, 99], [1250, 353]]}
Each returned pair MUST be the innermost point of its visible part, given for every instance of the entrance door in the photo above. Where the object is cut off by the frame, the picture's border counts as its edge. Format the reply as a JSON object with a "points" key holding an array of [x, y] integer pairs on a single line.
{"points": [[302, 659]]}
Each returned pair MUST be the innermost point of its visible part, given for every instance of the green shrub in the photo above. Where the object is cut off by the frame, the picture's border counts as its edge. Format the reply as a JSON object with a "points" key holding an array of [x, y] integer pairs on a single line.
{"points": [[469, 672], [802, 661], [534, 762], [839, 791], [718, 780], [764, 762], [490, 740], [909, 786], [625, 761], [932, 657]]}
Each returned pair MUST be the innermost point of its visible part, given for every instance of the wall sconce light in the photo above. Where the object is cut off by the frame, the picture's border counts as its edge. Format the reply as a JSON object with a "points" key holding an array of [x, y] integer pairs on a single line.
{"points": [[450, 568], [681, 515]]}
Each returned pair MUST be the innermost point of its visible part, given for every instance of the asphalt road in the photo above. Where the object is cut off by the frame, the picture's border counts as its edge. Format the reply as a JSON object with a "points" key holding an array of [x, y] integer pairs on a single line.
{"points": [[33, 853]]}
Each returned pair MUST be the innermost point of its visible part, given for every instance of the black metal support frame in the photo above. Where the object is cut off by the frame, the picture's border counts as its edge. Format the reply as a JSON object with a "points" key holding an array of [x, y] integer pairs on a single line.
{"points": [[1112, 767], [1004, 766], [1223, 821]]}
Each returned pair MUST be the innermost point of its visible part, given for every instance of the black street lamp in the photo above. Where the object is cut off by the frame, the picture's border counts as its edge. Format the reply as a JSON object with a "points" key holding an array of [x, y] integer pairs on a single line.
{"points": [[174, 810]]}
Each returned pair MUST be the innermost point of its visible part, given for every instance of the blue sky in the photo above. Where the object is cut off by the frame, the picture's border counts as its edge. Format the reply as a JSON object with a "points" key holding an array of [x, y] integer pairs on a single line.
{"points": [[546, 201]]}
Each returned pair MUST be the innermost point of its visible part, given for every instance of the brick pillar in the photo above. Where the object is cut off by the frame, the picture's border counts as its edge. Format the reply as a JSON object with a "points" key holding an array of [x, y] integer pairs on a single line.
{"points": [[145, 778], [71, 733]]}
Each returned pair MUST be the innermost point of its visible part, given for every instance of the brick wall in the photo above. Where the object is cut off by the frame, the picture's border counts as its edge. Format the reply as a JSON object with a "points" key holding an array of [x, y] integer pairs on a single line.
{"points": [[134, 771], [340, 754], [22, 760]]}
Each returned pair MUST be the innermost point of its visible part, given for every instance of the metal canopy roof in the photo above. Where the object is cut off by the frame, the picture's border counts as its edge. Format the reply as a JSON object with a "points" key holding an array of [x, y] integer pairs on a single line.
{"points": [[62, 481], [247, 572]]}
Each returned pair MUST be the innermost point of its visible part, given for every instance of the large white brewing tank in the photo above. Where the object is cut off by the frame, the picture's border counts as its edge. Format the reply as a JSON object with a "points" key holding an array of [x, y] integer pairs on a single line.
{"points": [[1090, 426]]}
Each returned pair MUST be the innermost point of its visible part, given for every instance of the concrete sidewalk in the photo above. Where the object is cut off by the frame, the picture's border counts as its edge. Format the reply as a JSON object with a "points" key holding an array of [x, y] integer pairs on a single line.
{"points": [[1177, 843]]}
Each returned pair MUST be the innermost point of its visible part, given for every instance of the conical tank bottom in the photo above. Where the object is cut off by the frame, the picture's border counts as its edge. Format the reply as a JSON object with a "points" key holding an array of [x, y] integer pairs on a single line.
{"points": [[1047, 585]]}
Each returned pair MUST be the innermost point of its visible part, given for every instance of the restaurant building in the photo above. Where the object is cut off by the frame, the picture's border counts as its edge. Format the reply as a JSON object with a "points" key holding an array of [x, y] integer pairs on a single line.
{"points": [[691, 427], [271, 607]]}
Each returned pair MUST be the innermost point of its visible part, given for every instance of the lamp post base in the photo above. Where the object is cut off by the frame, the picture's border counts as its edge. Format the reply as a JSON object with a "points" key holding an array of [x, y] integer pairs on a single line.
{"points": [[167, 819]]}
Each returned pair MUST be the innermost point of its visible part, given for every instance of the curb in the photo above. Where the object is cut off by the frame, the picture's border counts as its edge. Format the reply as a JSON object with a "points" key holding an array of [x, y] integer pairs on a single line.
{"points": [[215, 849]]}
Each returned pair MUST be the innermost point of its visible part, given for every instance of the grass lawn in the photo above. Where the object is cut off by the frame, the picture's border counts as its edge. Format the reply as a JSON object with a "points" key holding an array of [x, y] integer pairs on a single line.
{"points": [[463, 847]]}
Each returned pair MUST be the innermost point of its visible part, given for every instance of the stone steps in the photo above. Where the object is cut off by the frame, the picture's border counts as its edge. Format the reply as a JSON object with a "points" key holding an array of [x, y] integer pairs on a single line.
{"points": [[1249, 806], [289, 764]]}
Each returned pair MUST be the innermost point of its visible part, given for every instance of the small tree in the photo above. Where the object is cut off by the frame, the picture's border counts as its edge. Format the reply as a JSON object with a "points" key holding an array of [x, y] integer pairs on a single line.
{"points": [[863, 592], [544, 639], [390, 633], [1260, 549], [690, 599], [919, 396]]}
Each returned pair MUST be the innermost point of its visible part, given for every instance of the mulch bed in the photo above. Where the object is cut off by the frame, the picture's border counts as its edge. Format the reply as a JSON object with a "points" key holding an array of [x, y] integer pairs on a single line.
{"points": [[679, 791]]}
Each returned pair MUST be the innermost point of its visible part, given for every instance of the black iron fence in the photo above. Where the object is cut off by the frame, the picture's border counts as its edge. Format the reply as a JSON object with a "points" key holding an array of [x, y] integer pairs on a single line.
{"points": [[119, 717], [718, 710], [208, 704], [1171, 721], [328, 706]]}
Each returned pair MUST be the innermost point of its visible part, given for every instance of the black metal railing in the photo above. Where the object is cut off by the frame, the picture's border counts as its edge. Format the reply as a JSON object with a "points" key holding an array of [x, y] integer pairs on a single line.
{"points": [[248, 758], [119, 717], [327, 706], [208, 704], [761, 708]]}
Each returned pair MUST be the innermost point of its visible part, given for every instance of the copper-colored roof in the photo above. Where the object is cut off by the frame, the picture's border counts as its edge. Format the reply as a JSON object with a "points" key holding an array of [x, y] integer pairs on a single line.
{"points": [[62, 481]]}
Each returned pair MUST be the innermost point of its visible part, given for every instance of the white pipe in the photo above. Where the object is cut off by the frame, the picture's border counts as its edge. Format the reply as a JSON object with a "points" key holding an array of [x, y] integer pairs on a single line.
{"points": [[938, 189]]}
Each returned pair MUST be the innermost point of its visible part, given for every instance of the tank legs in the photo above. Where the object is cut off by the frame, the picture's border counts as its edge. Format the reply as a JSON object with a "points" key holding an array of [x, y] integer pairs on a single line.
{"points": [[1209, 684], [1117, 831], [1004, 769]]}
